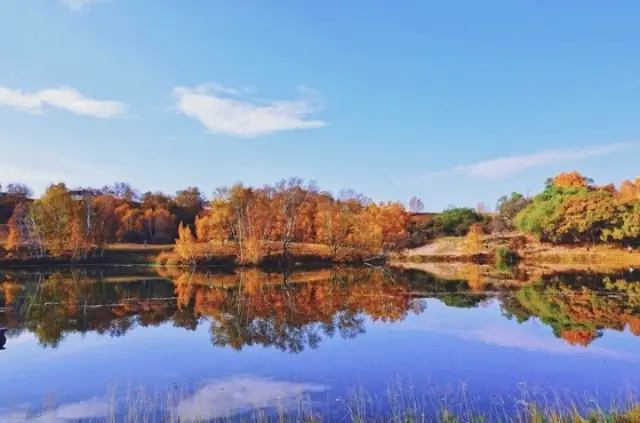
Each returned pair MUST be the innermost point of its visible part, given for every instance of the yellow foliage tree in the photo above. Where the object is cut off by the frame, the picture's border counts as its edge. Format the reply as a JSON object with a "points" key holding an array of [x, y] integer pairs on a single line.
{"points": [[186, 244], [14, 241], [54, 216], [473, 242]]}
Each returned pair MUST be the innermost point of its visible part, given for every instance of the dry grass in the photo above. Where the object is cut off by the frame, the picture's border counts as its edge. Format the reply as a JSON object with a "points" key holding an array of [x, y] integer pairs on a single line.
{"points": [[607, 255], [535, 253], [139, 247], [218, 253]]}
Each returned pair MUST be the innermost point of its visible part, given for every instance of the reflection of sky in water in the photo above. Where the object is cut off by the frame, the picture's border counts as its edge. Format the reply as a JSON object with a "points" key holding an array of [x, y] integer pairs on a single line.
{"points": [[214, 399], [441, 347], [243, 393]]}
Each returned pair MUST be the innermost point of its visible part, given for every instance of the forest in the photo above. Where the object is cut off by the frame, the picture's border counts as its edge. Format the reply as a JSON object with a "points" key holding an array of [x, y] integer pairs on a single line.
{"points": [[291, 218]]}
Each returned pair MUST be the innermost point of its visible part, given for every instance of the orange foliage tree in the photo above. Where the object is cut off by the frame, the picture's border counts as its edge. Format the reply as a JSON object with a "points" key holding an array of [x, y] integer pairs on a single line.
{"points": [[571, 180]]}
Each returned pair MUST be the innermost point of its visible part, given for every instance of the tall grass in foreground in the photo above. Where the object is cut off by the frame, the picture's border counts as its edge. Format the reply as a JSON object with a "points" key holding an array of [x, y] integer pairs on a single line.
{"points": [[394, 406]]}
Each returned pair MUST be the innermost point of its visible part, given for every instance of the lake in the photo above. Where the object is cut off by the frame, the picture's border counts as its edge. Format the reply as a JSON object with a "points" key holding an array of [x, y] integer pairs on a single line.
{"points": [[83, 344]]}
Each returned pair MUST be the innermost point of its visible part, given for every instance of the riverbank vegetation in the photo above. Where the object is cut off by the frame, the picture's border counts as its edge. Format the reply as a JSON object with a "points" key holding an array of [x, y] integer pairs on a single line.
{"points": [[571, 220], [283, 223]]}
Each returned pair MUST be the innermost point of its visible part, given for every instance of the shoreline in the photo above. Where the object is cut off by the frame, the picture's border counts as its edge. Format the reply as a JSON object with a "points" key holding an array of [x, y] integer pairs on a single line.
{"points": [[164, 257], [533, 253], [575, 257]]}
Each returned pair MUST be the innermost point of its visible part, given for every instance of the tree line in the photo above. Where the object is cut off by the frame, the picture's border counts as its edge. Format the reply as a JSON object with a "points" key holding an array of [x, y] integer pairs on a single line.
{"points": [[571, 209], [251, 221], [73, 223]]}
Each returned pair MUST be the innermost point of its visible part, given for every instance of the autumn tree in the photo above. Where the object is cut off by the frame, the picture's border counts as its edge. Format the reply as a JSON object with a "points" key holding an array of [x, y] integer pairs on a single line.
{"points": [[290, 198], [55, 216], [104, 223], [187, 205], [130, 222], [473, 242], [14, 240], [153, 200], [572, 210], [186, 244], [334, 224], [249, 218], [571, 180], [590, 217], [122, 191]]}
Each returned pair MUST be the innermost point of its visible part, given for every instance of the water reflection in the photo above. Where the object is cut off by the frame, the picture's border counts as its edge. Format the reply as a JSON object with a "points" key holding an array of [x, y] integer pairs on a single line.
{"points": [[287, 311], [297, 310], [90, 409], [242, 394]]}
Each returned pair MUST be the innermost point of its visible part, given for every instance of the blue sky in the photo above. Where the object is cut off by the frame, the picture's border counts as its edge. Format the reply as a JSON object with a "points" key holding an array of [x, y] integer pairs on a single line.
{"points": [[456, 102]]}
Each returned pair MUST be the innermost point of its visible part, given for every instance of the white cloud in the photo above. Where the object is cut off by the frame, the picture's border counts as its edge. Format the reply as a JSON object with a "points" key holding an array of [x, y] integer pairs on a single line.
{"points": [[65, 98], [78, 5], [505, 166], [212, 105], [240, 394]]}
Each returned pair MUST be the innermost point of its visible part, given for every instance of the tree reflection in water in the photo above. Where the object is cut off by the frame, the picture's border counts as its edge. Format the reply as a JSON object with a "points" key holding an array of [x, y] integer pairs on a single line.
{"points": [[289, 311], [296, 310]]}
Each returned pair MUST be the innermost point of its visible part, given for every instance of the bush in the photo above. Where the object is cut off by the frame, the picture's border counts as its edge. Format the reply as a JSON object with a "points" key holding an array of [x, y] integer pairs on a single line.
{"points": [[506, 256], [452, 222], [518, 243]]}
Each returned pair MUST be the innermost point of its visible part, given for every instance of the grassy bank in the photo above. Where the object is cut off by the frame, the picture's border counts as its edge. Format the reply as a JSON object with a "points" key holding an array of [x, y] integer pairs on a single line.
{"points": [[272, 255], [531, 251], [116, 254]]}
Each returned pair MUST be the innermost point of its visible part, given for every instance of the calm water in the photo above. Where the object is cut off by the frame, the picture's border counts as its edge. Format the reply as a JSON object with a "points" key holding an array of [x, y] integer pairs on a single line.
{"points": [[80, 341]]}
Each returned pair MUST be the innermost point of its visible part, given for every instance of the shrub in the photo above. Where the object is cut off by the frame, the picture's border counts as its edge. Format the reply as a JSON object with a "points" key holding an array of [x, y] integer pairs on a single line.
{"points": [[518, 243], [506, 256]]}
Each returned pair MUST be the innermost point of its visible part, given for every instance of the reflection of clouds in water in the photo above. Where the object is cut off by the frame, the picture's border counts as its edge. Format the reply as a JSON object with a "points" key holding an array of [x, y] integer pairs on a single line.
{"points": [[90, 409], [220, 398], [508, 337]]}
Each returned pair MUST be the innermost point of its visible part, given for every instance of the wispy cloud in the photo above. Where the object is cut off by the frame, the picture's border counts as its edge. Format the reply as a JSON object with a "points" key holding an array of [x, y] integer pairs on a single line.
{"points": [[224, 110], [78, 5], [65, 98], [505, 166]]}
